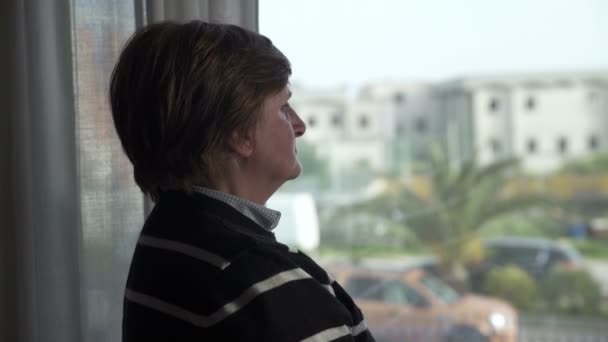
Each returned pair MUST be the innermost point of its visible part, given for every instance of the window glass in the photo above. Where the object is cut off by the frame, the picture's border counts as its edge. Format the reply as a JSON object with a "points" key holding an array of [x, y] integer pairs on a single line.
{"points": [[336, 119], [562, 145], [312, 121], [512, 147], [395, 292], [494, 105], [532, 145], [365, 288], [420, 125], [530, 103], [440, 289], [593, 142], [363, 121]]}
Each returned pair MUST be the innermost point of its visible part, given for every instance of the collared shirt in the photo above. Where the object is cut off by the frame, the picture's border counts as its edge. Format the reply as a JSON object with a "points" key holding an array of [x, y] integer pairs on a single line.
{"points": [[264, 217]]}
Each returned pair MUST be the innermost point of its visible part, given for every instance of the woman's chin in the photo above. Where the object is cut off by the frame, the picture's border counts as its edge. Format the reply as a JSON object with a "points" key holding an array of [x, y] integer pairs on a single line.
{"points": [[297, 170]]}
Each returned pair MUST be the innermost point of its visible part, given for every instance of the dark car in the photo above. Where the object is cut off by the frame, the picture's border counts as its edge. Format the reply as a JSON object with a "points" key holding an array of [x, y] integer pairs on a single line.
{"points": [[537, 256]]}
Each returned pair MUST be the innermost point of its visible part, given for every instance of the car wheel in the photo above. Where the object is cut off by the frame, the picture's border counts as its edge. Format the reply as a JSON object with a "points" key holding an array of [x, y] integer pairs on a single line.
{"points": [[465, 334]]}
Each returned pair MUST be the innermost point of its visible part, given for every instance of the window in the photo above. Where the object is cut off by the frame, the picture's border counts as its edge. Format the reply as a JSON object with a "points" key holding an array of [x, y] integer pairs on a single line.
{"points": [[312, 121], [440, 289], [495, 145], [364, 287], [420, 125], [396, 292], [444, 116], [388, 291], [336, 120], [530, 103], [526, 257], [531, 145], [593, 142], [494, 105], [562, 145], [363, 121], [399, 97]]}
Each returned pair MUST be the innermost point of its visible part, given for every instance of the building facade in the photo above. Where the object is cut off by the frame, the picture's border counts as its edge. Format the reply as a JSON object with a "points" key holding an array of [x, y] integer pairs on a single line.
{"points": [[542, 119], [384, 128], [545, 119]]}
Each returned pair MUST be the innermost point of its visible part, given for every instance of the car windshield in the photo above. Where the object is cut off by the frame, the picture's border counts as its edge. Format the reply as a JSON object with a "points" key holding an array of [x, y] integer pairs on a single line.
{"points": [[440, 289]]}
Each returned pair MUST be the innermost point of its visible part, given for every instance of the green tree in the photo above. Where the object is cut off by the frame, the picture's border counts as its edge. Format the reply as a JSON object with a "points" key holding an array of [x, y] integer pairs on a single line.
{"points": [[572, 291], [512, 284], [597, 163], [586, 202], [462, 200]]}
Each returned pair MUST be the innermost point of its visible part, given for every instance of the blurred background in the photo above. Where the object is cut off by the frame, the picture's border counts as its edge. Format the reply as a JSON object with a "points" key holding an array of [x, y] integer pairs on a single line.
{"points": [[455, 162], [464, 141]]}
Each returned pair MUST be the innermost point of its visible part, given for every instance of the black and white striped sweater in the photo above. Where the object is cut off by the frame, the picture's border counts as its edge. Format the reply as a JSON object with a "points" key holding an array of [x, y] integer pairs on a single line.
{"points": [[202, 271]]}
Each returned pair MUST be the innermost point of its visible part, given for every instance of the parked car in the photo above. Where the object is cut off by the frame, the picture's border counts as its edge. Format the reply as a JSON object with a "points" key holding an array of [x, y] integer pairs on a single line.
{"points": [[413, 305], [537, 256]]}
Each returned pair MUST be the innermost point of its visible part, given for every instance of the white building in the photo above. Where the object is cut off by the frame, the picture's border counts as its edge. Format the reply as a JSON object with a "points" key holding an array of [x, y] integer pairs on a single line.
{"points": [[383, 128], [544, 119]]}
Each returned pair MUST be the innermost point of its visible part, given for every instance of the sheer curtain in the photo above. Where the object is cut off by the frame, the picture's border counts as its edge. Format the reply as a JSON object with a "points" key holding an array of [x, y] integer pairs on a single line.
{"points": [[69, 209]]}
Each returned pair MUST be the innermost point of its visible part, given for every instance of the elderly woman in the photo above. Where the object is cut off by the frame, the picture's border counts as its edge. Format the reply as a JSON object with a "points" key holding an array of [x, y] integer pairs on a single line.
{"points": [[202, 112]]}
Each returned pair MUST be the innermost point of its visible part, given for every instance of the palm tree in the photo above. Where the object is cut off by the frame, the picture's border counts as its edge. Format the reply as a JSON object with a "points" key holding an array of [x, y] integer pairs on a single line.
{"points": [[448, 220]]}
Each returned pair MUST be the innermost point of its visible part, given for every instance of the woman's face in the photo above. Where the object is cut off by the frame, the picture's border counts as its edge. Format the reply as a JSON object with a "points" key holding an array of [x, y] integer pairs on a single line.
{"points": [[274, 150]]}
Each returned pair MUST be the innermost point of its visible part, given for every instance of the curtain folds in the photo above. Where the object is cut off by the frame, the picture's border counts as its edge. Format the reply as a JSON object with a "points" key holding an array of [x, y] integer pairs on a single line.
{"points": [[41, 223], [65, 230]]}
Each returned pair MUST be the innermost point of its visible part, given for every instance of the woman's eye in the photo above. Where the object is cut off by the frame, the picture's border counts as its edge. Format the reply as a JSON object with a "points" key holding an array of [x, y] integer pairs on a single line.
{"points": [[286, 109]]}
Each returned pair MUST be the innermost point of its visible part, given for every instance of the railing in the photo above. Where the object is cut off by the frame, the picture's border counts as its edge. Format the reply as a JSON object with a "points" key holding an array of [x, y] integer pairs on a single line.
{"points": [[542, 328]]}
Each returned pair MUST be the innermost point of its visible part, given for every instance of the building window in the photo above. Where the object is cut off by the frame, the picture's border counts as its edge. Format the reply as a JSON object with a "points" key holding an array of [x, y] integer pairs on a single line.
{"points": [[312, 121], [494, 104], [594, 143], [532, 146], [399, 97], [495, 145], [363, 121], [530, 103], [562, 145], [420, 125], [336, 119]]}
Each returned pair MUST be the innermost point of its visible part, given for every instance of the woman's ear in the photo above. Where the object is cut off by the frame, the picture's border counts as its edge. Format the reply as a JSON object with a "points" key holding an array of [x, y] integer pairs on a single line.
{"points": [[241, 144]]}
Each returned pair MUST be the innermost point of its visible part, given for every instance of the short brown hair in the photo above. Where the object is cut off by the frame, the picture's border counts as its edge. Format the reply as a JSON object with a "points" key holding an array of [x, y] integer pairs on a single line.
{"points": [[178, 91]]}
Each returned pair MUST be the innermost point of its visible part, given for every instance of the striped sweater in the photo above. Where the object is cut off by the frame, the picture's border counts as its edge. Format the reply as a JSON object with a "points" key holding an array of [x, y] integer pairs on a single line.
{"points": [[202, 271]]}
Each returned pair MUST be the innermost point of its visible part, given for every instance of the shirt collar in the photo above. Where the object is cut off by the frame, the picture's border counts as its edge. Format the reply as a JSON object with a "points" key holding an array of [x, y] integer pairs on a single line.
{"points": [[264, 217]]}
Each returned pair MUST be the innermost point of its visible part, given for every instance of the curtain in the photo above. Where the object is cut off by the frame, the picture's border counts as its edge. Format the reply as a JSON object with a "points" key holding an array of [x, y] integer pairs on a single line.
{"points": [[69, 209], [41, 220]]}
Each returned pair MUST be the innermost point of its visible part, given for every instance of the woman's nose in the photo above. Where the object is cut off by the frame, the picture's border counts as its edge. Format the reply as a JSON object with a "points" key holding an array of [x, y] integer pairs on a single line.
{"points": [[299, 127]]}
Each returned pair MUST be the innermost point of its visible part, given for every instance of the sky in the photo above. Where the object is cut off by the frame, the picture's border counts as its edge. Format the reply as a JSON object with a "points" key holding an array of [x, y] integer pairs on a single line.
{"points": [[350, 42]]}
